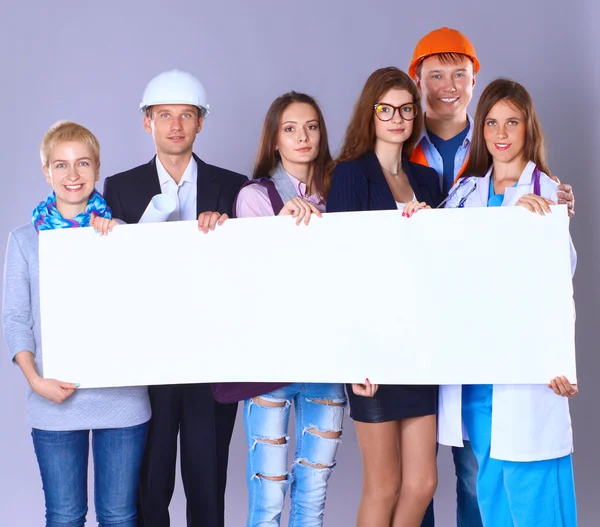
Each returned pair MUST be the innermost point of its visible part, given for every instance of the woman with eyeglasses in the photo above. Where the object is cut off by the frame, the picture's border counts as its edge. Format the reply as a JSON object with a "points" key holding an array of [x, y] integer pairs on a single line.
{"points": [[395, 425]]}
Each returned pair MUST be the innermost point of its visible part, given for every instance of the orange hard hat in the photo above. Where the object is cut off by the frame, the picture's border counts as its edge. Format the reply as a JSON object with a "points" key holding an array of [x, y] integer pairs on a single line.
{"points": [[443, 40]]}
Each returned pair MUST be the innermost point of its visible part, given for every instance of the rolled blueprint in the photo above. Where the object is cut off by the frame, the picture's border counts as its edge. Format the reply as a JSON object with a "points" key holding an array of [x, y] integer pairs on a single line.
{"points": [[159, 209]]}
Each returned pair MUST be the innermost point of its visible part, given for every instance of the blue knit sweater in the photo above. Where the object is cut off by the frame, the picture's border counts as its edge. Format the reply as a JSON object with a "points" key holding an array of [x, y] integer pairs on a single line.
{"points": [[86, 409]]}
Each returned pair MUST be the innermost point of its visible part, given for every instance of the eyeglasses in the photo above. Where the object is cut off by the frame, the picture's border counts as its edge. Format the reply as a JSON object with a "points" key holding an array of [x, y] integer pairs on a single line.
{"points": [[386, 112]]}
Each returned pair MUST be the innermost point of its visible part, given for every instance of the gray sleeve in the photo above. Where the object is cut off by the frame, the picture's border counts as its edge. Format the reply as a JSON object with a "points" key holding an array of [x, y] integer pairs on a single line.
{"points": [[17, 318]]}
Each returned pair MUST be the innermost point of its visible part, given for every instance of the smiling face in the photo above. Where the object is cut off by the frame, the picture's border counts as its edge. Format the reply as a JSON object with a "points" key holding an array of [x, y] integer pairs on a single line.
{"points": [[447, 89], [72, 170], [397, 129], [504, 132], [299, 135], [174, 127]]}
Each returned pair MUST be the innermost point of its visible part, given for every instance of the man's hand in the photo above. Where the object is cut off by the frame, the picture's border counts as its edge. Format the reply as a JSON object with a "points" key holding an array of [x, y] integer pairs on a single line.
{"points": [[566, 196], [209, 220]]}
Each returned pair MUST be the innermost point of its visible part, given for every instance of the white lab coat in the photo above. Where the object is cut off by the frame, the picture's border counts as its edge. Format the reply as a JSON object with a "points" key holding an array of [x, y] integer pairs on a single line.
{"points": [[529, 422]]}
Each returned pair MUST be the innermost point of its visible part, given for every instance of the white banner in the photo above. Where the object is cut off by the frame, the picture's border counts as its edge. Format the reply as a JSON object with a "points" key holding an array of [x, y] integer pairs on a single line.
{"points": [[448, 296]]}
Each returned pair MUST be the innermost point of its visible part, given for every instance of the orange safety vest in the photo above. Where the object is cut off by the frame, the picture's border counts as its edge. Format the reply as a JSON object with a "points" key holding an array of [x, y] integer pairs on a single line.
{"points": [[418, 156]]}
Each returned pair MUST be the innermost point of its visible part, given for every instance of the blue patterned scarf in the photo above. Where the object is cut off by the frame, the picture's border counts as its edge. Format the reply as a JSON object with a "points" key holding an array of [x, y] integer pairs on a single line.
{"points": [[46, 216]]}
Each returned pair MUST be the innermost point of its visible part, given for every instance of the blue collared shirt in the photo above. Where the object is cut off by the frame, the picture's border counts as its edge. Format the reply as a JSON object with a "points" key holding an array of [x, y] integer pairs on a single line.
{"points": [[434, 158]]}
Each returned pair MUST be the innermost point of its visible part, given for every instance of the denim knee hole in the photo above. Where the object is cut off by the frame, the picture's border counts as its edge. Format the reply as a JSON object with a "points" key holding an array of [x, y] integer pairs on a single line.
{"points": [[333, 419], [267, 465], [321, 450], [327, 402], [275, 403]]}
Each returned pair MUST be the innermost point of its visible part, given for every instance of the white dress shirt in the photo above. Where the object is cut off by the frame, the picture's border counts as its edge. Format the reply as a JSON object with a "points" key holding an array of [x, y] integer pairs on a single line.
{"points": [[183, 193]]}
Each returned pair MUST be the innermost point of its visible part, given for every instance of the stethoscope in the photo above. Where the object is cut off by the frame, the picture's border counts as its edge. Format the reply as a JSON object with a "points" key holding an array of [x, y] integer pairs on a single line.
{"points": [[463, 200], [461, 204]]}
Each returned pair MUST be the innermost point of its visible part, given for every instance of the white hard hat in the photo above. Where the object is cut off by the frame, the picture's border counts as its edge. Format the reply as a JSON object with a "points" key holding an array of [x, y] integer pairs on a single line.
{"points": [[175, 87]]}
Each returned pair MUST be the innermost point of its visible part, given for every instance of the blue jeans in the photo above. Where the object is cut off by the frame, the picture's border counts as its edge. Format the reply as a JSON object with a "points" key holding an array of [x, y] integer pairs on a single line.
{"points": [[319, 408], [467, 510], [63, 461], [465, 464]]}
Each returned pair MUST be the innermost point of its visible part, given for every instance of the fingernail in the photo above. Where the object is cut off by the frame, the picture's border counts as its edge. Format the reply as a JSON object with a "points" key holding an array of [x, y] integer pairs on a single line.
{"points": [[368, 380], [403, 214], [77, 384]]}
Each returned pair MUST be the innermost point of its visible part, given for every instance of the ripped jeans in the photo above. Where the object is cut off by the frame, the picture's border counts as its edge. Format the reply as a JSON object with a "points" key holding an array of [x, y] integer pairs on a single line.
{"points": [[319, 414]]}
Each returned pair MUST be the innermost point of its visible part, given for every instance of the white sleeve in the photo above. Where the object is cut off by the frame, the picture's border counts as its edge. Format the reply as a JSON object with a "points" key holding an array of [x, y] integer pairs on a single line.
{"points": [[456, 193]]}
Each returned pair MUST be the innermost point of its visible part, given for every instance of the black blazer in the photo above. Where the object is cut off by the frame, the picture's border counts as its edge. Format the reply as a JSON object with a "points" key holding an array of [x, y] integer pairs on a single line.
{"points": [[361, 185], [128, 193]]}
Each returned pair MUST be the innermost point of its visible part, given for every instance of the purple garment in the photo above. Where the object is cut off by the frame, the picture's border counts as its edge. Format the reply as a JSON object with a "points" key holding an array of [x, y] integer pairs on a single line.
{"points": [[253, 200]]}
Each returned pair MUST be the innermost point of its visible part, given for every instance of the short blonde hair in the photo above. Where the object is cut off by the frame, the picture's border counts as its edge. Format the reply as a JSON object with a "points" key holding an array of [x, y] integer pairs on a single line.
{"points": [[66, 132]]}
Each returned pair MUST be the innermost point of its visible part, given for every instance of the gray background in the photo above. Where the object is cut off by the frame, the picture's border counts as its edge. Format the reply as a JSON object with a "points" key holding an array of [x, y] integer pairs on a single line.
{"points": [[90, 63]]}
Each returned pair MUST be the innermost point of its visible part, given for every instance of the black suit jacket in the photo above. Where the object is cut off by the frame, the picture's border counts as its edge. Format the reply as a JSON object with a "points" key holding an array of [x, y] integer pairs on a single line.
{"points": [[128, 193], [361, 185]]}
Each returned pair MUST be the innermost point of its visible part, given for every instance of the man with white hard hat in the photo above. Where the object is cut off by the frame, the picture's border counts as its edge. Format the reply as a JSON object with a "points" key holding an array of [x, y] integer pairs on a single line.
{"points": [[174, 107]]}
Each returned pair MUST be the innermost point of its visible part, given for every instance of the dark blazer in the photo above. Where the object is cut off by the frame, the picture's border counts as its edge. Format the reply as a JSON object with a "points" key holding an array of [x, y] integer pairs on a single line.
{"points": [[361, 185], [129, 193], [188, 410]]}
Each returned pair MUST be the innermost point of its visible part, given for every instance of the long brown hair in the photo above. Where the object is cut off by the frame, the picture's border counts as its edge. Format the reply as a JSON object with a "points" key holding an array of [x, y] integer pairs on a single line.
{"points": [[268, 158], [498, 90], [360, 134]]}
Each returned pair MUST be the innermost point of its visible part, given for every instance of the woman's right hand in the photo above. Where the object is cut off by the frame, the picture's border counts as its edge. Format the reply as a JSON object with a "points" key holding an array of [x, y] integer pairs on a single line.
{"points": [[53, 390], [102, 225], [535, 203], [366, 390], [299, 209], [413, 206]]}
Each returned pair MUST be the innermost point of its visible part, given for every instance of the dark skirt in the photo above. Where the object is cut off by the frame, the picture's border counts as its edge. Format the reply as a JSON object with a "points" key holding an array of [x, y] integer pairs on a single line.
{"points": [[393, 402]]}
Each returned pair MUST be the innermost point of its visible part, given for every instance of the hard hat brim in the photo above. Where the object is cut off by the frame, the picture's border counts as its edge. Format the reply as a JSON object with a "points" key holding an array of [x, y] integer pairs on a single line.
{"points": [[204, 111], [412, 69]]}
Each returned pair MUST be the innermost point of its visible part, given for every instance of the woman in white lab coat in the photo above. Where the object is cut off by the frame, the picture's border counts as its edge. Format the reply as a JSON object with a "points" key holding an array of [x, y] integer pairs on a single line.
{"points": [[521, 434]]}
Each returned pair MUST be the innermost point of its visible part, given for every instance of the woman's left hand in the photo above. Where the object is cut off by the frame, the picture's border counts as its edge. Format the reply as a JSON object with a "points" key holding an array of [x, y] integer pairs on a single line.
{"points": [[102, 225], [562, 386], [413, 206], [300, 209], [535, 203], [366, 390]]}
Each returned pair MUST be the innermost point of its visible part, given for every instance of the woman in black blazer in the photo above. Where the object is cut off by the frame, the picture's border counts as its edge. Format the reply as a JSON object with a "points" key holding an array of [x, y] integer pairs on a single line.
{"points": [[395, 425]]}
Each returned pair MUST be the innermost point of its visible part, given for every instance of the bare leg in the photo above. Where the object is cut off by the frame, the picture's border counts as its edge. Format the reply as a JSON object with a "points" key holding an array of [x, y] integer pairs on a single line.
{"points": [[381, 472], [419, 470]]}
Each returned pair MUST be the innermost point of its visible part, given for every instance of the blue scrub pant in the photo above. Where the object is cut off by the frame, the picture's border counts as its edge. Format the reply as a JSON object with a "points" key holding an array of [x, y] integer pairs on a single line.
{"points": [[516, 494]]}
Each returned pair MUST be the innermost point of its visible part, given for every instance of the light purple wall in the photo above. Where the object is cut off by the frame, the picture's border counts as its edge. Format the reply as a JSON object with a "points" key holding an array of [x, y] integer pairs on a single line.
{"points": [[72, 60]]}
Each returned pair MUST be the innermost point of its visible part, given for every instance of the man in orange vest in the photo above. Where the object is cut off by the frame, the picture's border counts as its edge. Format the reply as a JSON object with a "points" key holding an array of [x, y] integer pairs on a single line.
{"points": [[444, 66]]}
